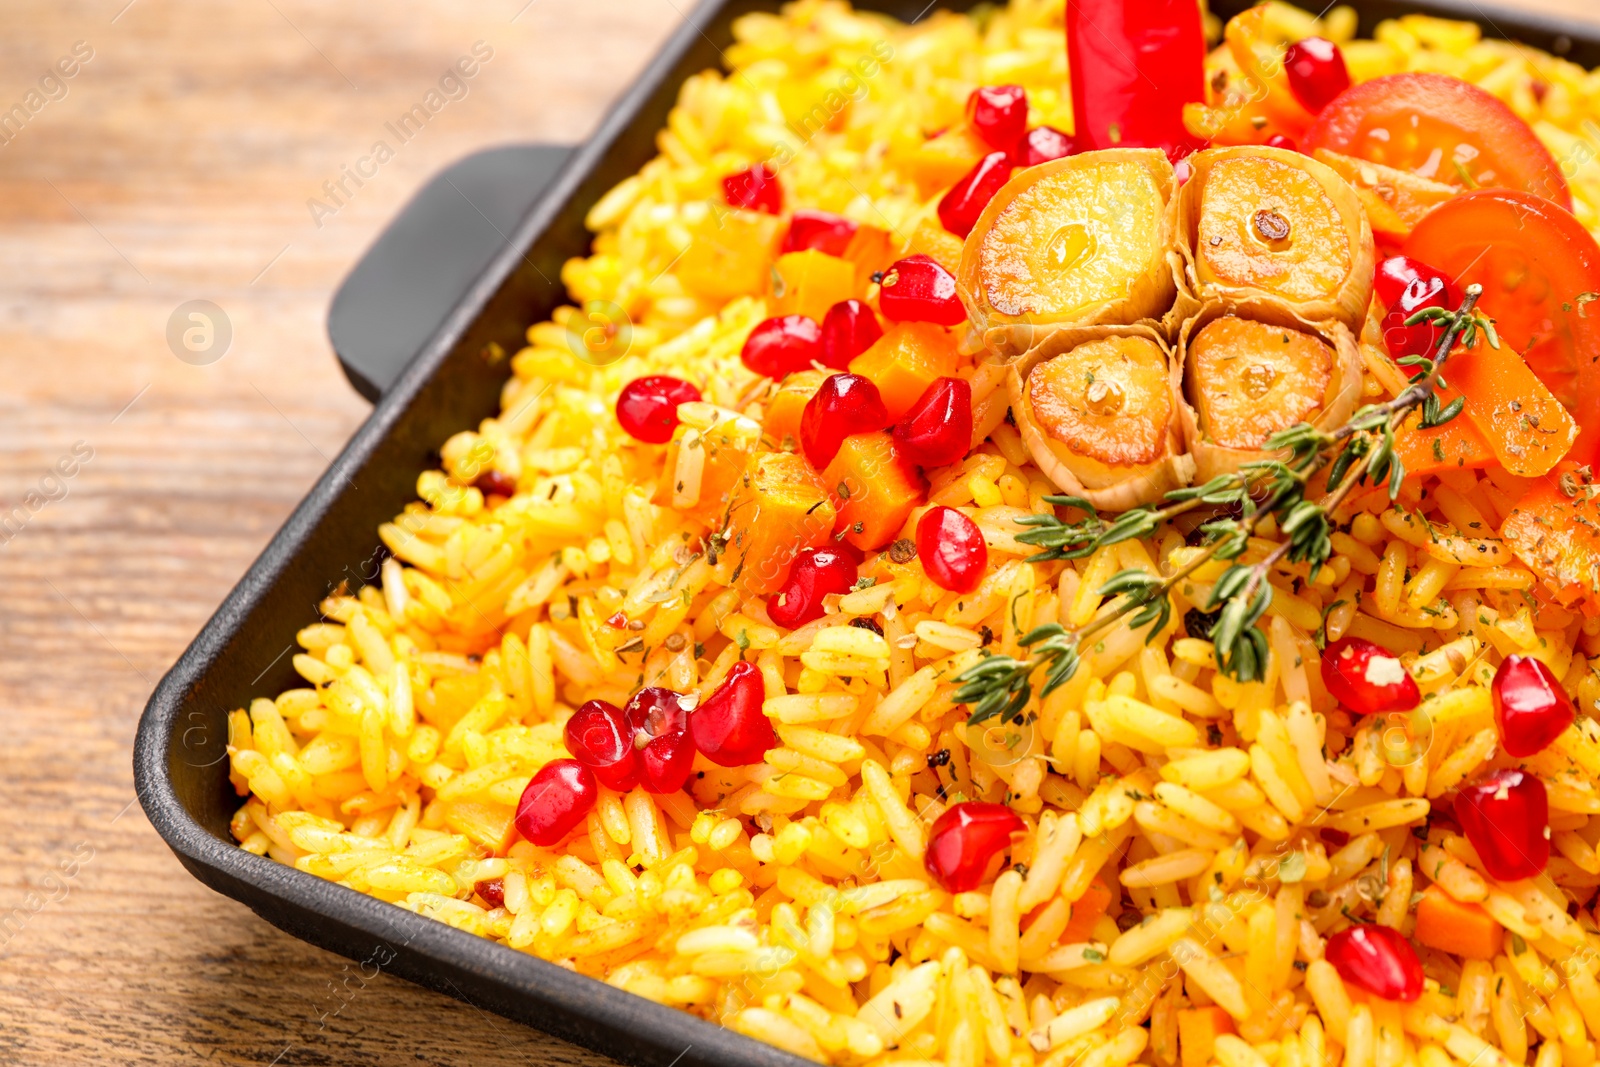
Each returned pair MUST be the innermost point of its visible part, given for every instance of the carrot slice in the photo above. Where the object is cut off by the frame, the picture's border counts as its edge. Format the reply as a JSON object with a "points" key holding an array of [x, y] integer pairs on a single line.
{"points": [[905, 361], [1522, 422], [1558, 536], [1198, 1030], [780, 427], [778, 510], [1448, 925], [810, 282], [873, 489], [1086, 913]]}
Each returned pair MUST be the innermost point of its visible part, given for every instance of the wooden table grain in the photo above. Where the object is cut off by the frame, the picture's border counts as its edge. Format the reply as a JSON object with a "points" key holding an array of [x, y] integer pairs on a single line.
{"points": [[177, 163]]}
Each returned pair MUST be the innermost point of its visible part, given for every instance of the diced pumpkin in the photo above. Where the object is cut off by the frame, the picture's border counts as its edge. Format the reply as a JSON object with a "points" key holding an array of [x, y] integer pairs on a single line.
{"points": [[780, 428], [939, 162], [1087, 911], [1395, 199], [699, 477], [489, 824], [778, 509], [729, 255], [905, 361], [871, 249], [810, 282], [1444, 923], [874, 489], [1558, 537], [1198, 1030], [936, 242]]}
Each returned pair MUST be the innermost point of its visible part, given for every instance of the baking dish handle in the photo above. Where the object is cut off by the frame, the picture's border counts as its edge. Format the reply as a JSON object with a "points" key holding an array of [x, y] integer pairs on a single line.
{"points": [[418, 269]]}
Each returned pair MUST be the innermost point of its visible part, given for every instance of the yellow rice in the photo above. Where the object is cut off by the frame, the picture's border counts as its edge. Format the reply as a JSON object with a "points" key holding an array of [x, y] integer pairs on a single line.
{"points": [[788, 901]]}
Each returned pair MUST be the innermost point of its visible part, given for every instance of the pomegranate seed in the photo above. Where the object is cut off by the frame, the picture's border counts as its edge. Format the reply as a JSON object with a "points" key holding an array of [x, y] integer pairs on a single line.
{"points": [[1041, 145], [1378, 959], [938, 428], [999, 114], [961, 206], [729, 728], [660, 727], [1407, 286], [816, 573], [1506, 816], [844, 404], [968, 843], [499, 483], [1316, 72], [848, 329], [1530, 707], [556, 801], [755, 188], [599, 737], [1278, 140], [918, 289], [820, 230], [1366, 679], [647, 407], [781, 346], [492, 890], [951, 548]]}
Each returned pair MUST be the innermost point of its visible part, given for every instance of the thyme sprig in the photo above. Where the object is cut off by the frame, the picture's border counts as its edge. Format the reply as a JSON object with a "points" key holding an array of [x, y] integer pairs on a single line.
{"points": [[1356, 453]]}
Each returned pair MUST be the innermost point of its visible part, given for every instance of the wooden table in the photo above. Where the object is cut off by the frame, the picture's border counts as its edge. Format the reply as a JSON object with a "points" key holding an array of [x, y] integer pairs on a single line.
{"points": [[176, 164]]}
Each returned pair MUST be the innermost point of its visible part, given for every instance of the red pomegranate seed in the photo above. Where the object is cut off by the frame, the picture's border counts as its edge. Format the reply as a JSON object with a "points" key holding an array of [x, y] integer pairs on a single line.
{"points": [[492, 890], [951, 548], [1406, 286], [556, 801], [843, 405], [1041, 145], [1378, 959], [999, 114], [918, 289], [1530, 707], [816, 573], [755, 188], [1506, 816], [938, 428], [729, 727], [660, 726], [498, 483], [961, 206], [1366, 679], [1278, 140], [599, 737], [968, 843], [820, 230], [848, 329], [783, 345], [647, 407], [1316, 72]]}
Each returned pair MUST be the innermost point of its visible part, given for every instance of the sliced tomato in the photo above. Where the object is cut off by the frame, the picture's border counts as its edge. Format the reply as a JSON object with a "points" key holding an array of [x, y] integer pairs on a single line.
{"points": [[1441, 128], [1539, 269]]}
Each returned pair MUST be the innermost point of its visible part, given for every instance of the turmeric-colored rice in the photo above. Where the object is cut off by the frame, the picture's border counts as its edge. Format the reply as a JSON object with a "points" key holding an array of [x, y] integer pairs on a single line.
{"points": [[1230, 827]]}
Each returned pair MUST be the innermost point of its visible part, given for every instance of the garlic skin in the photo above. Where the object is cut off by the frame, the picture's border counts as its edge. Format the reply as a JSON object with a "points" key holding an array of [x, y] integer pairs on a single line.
{"points": [[1109, 486]]}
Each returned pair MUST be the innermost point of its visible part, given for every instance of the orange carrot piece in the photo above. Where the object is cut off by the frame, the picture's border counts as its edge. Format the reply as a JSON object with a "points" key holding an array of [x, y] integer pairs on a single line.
{"points": [[1086, 913], [810, 282], [933, 240], [1448, 925], [1395, 199], [1457, 445], [905, 361], [939, 162], [780, 427], [1558, 537], [1522, 422], [730, 255], [873, 249], [873, 489], [778, 510], [723, 467], [1198, 1030]]}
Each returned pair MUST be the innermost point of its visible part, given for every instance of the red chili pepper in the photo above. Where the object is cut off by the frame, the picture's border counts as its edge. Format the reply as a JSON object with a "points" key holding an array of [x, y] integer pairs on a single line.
{"points": [[1134, 64]]}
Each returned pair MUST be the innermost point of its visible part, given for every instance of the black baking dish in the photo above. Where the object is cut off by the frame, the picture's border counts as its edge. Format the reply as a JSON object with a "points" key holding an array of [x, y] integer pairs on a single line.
{"points": [[180, 763]]}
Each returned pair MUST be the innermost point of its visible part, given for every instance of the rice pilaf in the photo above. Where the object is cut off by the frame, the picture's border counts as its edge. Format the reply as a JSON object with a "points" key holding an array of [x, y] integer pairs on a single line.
{"points": [[1190, 841]]}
